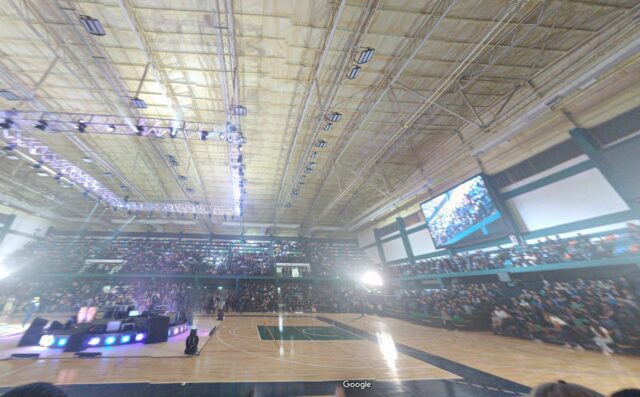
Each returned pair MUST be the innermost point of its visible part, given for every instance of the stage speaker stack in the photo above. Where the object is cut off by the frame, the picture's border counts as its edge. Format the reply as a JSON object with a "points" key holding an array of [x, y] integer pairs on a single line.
{"points": [[75, 341], [158, 330], [32, 335]]}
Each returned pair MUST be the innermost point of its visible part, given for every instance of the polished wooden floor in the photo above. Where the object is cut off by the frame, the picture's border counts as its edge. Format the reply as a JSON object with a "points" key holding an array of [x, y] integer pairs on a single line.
{"points": [[236, 353]]}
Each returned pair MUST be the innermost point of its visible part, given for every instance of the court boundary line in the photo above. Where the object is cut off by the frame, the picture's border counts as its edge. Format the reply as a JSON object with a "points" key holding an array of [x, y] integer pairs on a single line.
{"points": [[217, 335], [445, 364]]}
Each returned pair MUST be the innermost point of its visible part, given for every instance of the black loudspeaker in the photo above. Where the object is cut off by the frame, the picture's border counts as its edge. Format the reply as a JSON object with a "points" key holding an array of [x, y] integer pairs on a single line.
{"points": [[74, 343], [55, 326], [32, 335], [158, 330]]}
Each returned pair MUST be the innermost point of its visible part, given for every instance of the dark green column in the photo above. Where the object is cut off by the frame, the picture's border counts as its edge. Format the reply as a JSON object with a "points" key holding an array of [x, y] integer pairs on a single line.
{"points": [[405, 240], [376, 234], [6, 226]]}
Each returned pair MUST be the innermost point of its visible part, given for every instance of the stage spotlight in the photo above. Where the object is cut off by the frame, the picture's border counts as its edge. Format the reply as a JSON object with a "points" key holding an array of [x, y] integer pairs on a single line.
{"points": [[191, 344], [41, 125], [92, 25], [94, 341], [139, 130], [204, 135], [372, 278], [47, 340], [335, 116], [365, 55], [321, 144], [139, 337], [125, 338], [354, 72], [8, 95], [314, 155], [327, 126], [110, 340], [111, 128], [174, 132], [62, 342], [289, 205], [81, 126], [221, 136]]}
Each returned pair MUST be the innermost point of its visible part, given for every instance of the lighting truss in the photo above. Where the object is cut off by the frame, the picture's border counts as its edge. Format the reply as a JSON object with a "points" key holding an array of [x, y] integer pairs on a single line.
{"points": [[116, 125], [69, 174]]}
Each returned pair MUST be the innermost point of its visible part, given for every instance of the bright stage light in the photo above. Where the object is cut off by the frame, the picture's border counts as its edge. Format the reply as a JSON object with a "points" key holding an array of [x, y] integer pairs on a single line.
{"points": [[139, 337], [372, 278], [62, 342], [94, 341], [4, 273], [47, 340], [110, 340], [125, 338]]}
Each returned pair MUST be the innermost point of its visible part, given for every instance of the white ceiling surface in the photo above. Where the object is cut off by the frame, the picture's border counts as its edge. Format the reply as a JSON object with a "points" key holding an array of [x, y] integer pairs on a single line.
{"points": [[475, 68]]}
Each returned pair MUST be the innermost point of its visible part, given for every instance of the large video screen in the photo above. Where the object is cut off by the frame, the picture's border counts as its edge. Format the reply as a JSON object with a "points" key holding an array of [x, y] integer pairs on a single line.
{"points": [[460, 212]]}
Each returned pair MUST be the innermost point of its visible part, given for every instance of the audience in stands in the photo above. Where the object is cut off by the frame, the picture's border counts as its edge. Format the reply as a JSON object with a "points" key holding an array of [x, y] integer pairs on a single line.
{"points": [[594, 314], [547, 251], [103, 255]]}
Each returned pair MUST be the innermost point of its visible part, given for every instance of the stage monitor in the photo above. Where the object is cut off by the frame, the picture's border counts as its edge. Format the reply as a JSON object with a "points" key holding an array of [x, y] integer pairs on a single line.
{"points": [[467, 209], [113, 326]]}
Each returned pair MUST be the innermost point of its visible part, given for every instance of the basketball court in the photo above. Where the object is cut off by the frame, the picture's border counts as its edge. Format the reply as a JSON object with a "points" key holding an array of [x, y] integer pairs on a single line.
{"points": [[308, 355]]}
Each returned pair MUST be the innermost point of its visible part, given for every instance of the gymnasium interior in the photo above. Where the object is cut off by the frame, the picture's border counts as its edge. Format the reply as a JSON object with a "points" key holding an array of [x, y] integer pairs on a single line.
{"points": [[306, 198]]}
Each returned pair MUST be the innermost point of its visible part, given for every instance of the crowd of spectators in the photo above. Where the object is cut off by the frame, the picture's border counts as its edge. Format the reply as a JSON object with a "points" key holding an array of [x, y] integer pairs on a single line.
{"points": [[56, 296], [583, 313], [102, 255], [455, 305], [546, 251], [163, 256], [595, 314], [329, 259]]}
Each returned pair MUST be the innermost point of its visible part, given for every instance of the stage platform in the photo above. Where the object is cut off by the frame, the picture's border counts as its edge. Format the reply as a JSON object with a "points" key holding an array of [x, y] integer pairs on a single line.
{"points": [[172, 348]]}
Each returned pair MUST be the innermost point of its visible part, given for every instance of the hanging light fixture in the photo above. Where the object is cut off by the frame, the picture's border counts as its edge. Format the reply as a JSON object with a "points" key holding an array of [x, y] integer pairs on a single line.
{"points": [[139, 103], [92, 25], [354, 72], [239, 110], [335, 116], [8, 95], [365, 55]]}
